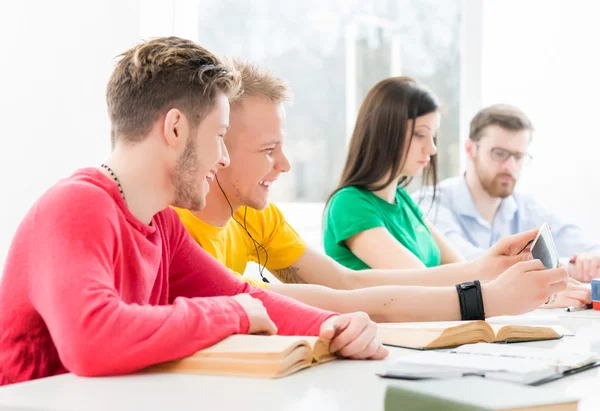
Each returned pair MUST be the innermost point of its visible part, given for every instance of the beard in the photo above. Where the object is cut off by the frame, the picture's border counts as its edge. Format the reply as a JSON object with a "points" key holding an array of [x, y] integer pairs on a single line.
{"points": [[248, 201], [495, 186], [188, 190]]}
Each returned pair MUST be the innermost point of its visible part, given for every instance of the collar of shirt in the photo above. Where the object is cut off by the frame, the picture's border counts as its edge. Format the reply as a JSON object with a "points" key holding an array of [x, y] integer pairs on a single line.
{"points": [[465, 206]]}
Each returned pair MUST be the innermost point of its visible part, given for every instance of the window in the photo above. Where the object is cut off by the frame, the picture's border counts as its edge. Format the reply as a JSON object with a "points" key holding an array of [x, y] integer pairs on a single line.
{"points": [[331, 52]]}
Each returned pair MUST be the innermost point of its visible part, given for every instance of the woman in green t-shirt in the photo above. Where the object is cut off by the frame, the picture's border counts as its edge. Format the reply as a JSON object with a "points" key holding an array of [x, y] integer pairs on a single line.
{"points": [[370, 220]]}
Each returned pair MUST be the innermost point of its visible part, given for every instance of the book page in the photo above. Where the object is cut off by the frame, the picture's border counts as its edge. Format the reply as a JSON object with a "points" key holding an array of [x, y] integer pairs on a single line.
{"points": [[544, 357], [408, 337], [551, 321], [320, 349], [428, 325], [445, 360], [526, 320], [512, 332], [545, 320], [434, 334], [246, 345], [496, 358], [246, 355]]}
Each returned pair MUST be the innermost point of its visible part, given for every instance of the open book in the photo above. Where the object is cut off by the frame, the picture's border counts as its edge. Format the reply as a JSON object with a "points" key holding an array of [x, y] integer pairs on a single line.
{"points": [[253, 356], [519, 364], [454, 333]]}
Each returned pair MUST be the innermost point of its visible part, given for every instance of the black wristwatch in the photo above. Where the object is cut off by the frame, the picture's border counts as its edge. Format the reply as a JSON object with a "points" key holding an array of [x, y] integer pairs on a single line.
{"points": [[470, 300]]}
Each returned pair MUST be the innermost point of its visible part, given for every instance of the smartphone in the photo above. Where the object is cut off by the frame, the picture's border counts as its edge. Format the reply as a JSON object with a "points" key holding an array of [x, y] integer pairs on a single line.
{"points": [[543, 248]]}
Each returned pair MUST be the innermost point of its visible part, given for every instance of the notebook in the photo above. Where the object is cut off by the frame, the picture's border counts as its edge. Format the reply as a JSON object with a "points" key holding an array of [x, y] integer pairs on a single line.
{"points": [[474, 394], [519, 364], [253, 356], [432, 335]]}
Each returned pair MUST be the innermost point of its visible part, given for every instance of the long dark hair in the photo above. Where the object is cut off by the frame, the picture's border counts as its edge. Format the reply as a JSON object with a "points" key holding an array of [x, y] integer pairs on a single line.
{"points": [[378, 142]]}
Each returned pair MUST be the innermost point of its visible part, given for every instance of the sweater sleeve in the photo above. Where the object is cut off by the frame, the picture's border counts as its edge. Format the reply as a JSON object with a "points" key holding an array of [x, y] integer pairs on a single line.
{"points": [[77, 290], [194, 272]]}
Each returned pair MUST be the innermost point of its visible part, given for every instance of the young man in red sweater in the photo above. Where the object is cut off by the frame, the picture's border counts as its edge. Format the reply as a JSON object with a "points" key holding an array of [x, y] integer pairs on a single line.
{"points": [[102, 278]]}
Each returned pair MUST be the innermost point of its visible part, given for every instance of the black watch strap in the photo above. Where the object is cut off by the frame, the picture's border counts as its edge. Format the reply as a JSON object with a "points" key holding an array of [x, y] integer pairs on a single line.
{"points": [[471, 301]]}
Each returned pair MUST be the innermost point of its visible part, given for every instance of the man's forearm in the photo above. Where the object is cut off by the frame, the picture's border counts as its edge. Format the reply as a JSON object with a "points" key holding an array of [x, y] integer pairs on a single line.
{"points": [[409, 303], [315, 268], [386, 303], [445, 275]]}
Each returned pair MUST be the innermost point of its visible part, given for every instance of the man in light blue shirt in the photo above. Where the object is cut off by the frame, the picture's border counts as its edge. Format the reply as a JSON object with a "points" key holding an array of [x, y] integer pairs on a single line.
{"points": [[478, 208]]}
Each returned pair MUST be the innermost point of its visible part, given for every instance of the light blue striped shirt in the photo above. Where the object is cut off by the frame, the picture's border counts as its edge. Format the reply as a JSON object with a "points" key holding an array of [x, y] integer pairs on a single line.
{"points": [[455, 215]]}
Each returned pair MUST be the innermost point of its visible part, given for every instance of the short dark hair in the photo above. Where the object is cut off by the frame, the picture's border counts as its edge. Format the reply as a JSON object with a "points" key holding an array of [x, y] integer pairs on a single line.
{"points": [[160, 74], [502, 115]]}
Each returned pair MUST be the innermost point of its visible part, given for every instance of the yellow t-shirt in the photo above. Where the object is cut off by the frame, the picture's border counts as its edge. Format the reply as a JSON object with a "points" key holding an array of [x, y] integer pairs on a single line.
{"points": [[232, 246]]}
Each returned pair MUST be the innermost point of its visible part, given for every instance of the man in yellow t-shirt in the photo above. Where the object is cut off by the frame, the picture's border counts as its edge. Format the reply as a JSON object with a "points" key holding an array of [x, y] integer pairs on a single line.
{"points": [[241, 191], [233, 246]]}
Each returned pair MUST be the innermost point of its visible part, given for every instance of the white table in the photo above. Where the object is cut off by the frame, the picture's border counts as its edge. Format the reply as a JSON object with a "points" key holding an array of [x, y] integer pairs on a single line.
{"points": [[339, 385]]}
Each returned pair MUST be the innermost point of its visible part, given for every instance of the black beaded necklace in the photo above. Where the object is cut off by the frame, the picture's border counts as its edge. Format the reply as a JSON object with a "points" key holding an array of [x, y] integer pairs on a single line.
{"points": [[114, 177]]}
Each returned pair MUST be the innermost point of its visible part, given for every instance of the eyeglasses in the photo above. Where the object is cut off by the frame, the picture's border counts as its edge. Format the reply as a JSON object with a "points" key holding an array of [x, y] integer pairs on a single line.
{"points": [[500, 155]]}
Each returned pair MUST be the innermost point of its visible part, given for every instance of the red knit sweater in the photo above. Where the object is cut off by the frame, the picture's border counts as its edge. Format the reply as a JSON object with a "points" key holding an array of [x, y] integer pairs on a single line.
{"points": [[89, 289]]}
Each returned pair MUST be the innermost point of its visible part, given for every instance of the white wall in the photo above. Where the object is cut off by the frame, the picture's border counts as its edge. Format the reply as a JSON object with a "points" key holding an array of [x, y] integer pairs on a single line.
{"points": [[56, 59], [543, 57], [58, 55]]}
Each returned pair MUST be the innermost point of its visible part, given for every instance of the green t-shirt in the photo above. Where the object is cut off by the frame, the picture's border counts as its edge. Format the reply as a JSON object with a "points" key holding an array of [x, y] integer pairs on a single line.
{"points": [[353, 210]]}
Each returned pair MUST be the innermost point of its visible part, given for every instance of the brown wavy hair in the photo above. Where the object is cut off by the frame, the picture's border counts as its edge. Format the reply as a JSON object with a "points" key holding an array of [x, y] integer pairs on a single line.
{"points": [[377, 146], [165, 73]]}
